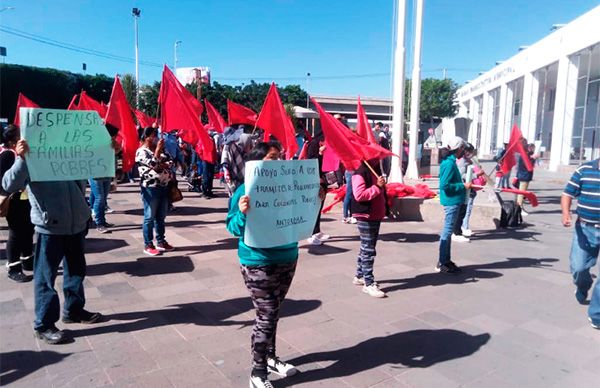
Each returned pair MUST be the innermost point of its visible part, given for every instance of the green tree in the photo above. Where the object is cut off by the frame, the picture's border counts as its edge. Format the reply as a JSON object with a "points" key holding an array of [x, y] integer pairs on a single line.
{"points": [[129, 87], [437, 98], [149, 98]]}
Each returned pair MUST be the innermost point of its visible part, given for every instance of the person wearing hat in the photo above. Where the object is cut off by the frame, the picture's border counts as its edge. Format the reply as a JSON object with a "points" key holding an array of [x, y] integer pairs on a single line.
{"points": [[237, 144], [452, 196]]}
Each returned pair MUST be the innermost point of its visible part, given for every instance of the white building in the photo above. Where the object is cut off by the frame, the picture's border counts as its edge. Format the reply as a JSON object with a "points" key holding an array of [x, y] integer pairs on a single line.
{"points": [[550, 89]]}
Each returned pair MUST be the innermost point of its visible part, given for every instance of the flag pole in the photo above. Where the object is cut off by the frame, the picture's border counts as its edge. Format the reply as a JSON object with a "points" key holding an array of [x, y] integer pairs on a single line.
{"points": [[371, 168]]}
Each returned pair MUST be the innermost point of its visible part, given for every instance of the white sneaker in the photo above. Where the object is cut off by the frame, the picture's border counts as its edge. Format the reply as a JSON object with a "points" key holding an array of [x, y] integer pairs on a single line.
{"points": [[353, 220], [524, 213], [314, 240], [322, 237], [459, 238], [358, 281], [467, 232], [345, 220], [374, 291], [281, 368], [260, 382]]}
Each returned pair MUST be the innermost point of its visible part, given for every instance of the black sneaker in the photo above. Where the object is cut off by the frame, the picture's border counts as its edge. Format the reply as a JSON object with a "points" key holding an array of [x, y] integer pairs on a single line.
{"points": [[446, 268], [455, 268], [19, 277], [51, 335], [27, 263], [83, 316]]}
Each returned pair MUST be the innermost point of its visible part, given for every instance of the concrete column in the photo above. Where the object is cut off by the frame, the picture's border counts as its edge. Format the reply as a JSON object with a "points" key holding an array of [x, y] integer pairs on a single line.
{"points": [[398, 116], [501, 115], [564, 110], [486, 126], [473, 115], [507, 123], [532, 122], [528, 105]]}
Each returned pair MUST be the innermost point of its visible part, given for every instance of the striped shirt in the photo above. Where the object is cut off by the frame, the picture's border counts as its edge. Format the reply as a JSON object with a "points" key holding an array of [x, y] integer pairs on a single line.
{"points": [[585, 186]]}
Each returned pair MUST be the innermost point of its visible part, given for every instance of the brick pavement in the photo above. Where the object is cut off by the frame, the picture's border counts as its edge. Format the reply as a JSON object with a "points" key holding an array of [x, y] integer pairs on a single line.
{"points": [[184, 318]]}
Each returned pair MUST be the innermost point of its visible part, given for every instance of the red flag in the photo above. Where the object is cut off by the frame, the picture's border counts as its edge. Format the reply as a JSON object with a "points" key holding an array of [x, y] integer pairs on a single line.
{"points": [[179, 110], [239, 114], [215, 120], [515, 144], [72, 104], [88, 103], [363, 129], [349, 147], [143, 119], [275, 121], [119, 115], [23, 102]]}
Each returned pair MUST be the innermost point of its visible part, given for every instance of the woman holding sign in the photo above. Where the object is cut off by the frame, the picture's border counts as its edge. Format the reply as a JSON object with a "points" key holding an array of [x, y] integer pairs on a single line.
{"points": [[268, 274]]}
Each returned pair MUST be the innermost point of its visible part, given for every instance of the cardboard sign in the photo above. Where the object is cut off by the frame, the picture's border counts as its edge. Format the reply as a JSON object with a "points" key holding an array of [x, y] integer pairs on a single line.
{"points": [[284, 201], [66, 145]]}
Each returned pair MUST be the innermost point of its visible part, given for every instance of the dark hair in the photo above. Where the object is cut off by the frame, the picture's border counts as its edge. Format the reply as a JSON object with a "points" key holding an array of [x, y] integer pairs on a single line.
{"points": [[469, 147], [445, 152], [261, 150], [10, 134], [149, 131]]}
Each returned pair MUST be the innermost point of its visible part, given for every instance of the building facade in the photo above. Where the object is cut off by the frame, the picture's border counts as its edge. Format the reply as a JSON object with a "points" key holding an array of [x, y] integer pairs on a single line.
{"points": [[550, 89]]}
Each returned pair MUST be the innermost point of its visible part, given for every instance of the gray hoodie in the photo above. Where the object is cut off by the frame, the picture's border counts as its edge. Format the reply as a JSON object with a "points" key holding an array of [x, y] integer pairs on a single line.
{"points": [[56, 207]]}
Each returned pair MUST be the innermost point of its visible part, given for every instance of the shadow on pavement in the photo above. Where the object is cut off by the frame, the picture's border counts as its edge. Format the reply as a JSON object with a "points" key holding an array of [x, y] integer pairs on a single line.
{"points": [[223, 244], [182, 211], [144, 266], [18, 364], [519, 233], [469, 274], [325, 249], [409, 237], [410, 349], [197, 313], [99, 245]]}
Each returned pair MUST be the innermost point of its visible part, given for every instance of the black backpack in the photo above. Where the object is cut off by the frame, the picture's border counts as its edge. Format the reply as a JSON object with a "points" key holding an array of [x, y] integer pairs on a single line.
{"points": [[510, 215]]}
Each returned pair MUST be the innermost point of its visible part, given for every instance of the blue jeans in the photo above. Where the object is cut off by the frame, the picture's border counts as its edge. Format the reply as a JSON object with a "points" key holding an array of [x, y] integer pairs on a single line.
{"points": [[584, 256], [348, 197], [98, 198], [465, 223], [451, 212], [49, 252], [156, 205]]}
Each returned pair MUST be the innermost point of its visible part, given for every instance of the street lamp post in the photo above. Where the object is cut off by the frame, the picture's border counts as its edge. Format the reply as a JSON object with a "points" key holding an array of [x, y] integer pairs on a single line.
{"points": [[177, 43], [136, 15]]}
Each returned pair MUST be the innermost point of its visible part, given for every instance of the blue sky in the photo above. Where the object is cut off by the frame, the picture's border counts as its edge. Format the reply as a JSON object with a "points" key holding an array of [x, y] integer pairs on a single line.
{"points": [[281, 40]]}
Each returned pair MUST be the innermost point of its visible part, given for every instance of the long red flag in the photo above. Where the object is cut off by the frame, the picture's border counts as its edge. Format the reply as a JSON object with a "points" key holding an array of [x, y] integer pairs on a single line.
{"points": [[215, 120], [274, 120], [143, 119], [119, 115], [88, 103], [363, 129], [515, 145], [179, 110], [23, 102], [349, 147], [239, 114]]}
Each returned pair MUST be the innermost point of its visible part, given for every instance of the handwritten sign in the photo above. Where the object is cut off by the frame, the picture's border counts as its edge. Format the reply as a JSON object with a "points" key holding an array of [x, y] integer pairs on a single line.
{"points": [[284, 201], [66, 145]]}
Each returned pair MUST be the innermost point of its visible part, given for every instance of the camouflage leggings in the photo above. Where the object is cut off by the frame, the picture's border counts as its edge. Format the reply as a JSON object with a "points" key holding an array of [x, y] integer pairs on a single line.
{"points": [[268, 286]]}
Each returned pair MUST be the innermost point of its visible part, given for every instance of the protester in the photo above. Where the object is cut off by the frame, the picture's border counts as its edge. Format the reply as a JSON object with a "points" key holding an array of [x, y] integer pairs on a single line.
{"points": [[452, 196], [61, 225], [369, 208], [585, 186], [502, 180], [155, 173], [19, 246], [315, 150], [236, 146], [347, 211], [524, 176], [460, 232], [268, 274], [386, 162]]}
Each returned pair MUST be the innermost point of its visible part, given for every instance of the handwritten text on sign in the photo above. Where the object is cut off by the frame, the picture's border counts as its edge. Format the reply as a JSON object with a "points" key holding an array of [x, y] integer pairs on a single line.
{"points": [[66, 145], [284, 201]]}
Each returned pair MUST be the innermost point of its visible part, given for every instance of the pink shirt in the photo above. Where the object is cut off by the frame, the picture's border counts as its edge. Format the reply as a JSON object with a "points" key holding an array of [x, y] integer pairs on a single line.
{"points": [[374, 194]]}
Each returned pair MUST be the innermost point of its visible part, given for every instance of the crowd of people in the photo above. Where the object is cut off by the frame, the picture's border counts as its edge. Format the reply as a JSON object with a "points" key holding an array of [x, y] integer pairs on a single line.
{"points": [[61, 213]]}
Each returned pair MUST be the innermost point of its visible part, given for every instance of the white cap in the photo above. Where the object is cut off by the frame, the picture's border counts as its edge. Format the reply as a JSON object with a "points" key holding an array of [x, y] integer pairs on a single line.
{"points": [[455, 142]]}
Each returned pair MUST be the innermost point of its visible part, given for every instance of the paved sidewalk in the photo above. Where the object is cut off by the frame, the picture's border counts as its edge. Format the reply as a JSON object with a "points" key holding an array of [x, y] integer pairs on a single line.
{"points": [[184, 319]]}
